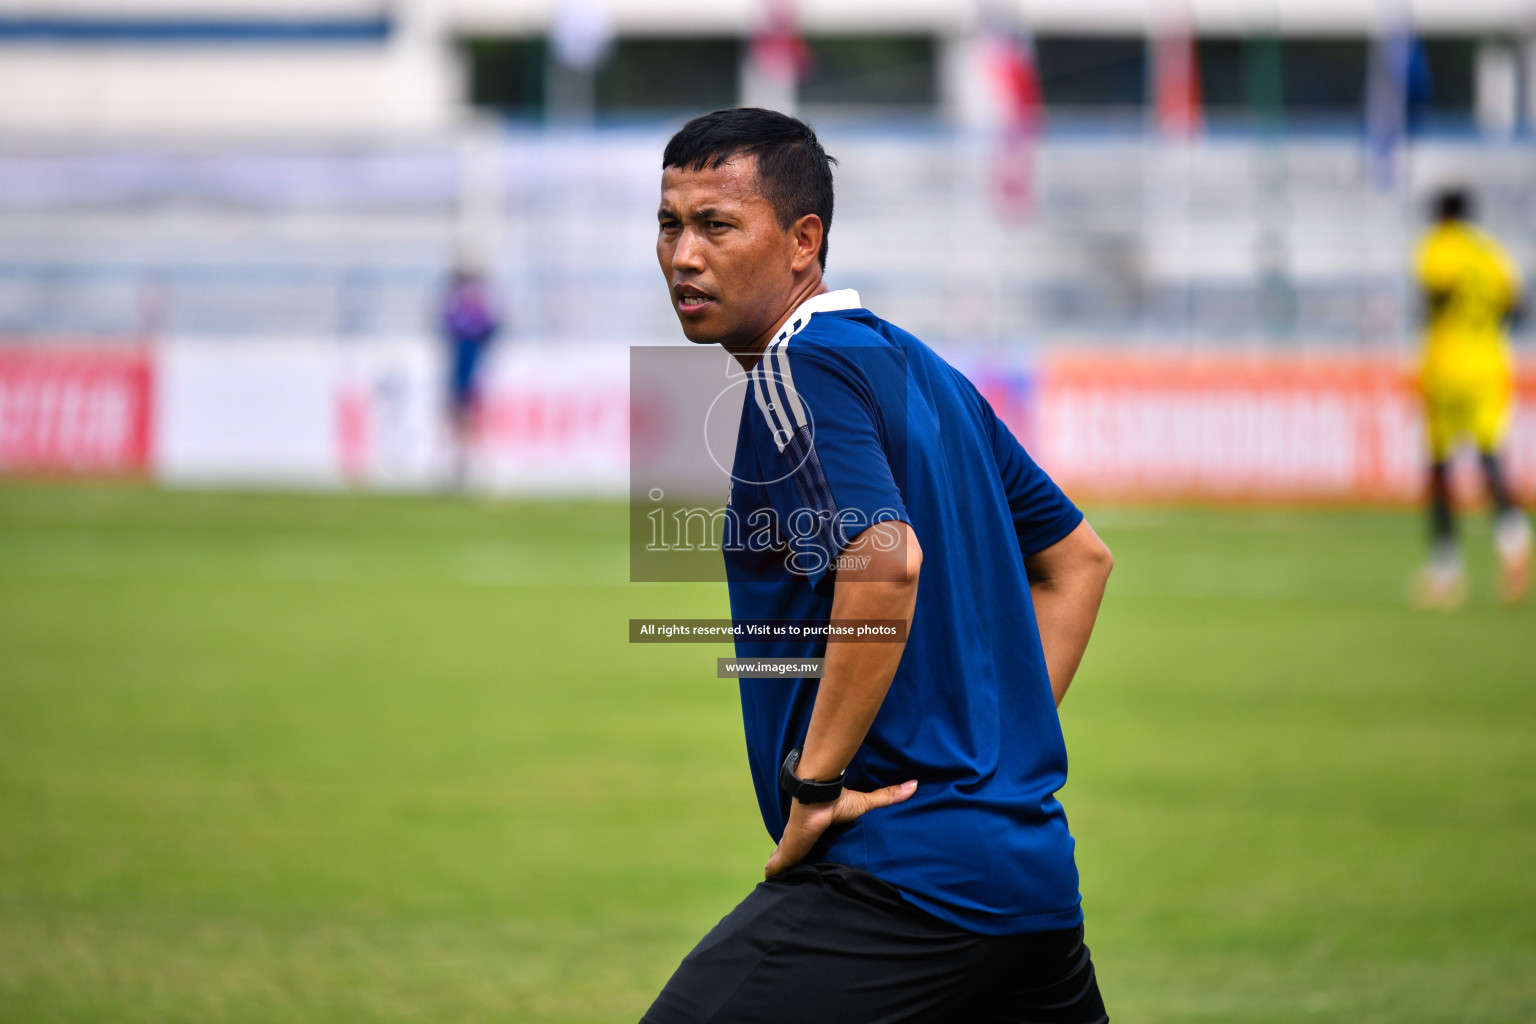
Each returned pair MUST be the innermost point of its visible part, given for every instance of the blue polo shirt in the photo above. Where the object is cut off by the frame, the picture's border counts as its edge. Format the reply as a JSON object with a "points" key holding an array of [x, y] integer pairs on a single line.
{"points": [[849, 420]]}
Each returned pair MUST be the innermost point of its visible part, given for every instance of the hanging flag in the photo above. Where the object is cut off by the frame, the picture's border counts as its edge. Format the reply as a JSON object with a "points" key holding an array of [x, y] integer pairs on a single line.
{"points": [[1397, 90], [1017, 80], [1176, 81], [777, 49], [1015, 76]]}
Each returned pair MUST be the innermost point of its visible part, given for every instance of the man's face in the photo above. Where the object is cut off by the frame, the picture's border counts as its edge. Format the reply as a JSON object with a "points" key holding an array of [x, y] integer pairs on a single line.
{"points": [[730, 266]]}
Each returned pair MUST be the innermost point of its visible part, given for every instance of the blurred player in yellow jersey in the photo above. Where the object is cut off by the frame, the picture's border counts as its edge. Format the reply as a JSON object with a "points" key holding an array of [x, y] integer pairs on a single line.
{"points": [[1471, 290]]}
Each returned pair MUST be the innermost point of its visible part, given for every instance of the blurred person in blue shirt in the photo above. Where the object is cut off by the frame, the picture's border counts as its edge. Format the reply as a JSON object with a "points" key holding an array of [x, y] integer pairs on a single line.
{"points": [[469, 324]]}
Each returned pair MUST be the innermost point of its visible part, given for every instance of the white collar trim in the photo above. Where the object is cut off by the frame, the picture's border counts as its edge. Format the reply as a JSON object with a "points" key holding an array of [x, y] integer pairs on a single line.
{"points": [[826, 302]]}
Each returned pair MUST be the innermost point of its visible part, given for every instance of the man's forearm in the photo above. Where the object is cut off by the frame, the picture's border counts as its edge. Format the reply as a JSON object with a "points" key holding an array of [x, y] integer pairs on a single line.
{"points": [[1066, 612], [1067, 584], [856, 676]]}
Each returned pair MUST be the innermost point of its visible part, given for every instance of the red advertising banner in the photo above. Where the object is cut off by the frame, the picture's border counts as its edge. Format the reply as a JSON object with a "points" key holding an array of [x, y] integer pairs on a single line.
{"points": [[74, 410], [1229, 427]]}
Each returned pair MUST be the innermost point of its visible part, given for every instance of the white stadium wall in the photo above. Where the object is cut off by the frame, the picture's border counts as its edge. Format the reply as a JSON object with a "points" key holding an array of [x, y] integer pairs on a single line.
{"points": [[246, 413], [318, 413]]}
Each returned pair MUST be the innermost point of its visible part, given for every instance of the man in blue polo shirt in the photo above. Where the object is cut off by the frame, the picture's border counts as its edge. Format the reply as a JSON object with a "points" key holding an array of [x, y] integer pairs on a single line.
{"points": [[924, 870]]}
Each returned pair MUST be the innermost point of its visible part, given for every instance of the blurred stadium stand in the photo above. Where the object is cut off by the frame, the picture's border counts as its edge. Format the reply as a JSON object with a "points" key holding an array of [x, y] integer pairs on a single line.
{"points": [[305, 172], [1129, 240], [267, 167]]}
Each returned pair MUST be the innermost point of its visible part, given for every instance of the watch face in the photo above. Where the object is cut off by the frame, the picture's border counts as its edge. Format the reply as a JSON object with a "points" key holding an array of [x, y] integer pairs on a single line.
{"points": [[787, 779], [808, 791]]}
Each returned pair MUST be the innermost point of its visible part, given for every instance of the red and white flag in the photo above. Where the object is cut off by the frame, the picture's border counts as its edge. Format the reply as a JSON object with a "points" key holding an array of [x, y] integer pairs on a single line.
{"points": [[777, 49], [1015, 78], [1176, 81]]}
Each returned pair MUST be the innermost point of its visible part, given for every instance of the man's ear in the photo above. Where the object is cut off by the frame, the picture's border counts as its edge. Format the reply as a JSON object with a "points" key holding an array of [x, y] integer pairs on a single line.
{"points": [[806, 233]]}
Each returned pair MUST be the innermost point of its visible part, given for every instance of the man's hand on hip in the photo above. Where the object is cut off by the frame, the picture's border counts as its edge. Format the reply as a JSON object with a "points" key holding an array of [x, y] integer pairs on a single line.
{"points": [[808, 821]]}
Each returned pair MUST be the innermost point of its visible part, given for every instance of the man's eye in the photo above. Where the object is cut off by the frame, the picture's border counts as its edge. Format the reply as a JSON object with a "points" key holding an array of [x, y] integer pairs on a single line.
{"points": [[669, 225], [716, 225]]}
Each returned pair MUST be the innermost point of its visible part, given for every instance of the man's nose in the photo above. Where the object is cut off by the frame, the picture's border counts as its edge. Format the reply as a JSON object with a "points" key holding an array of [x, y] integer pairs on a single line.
{"points": [[688, 254]]}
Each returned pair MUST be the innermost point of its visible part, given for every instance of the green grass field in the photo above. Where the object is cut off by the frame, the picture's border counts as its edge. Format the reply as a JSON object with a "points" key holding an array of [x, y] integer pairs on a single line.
{"points": [[281, 758]]}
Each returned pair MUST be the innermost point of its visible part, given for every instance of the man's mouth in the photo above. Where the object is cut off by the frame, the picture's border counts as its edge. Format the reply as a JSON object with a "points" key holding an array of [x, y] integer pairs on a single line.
{"points": [[692, 300]]}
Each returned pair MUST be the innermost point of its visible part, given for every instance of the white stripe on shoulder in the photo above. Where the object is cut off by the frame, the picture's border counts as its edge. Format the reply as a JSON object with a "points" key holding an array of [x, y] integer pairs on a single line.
{"points": [[787, 379], [770, 413], [772, 376]]}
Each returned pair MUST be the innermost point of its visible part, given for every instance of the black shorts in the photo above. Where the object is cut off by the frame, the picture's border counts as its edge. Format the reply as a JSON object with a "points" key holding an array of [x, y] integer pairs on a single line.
{"points": [[830, 944]]}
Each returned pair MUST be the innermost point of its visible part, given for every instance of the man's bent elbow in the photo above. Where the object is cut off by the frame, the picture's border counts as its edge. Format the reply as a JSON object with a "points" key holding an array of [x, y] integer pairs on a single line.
{"points": [[1104, 560], [903, 563], [1094, 557]]}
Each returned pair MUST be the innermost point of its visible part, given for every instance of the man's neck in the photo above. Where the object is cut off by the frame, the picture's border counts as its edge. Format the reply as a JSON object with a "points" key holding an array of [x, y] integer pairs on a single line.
{"points": [[749, 355]]}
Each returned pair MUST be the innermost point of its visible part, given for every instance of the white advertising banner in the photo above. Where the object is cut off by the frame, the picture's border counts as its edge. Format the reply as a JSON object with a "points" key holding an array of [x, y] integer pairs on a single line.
{"points": [[307, 412], [252, 411]]}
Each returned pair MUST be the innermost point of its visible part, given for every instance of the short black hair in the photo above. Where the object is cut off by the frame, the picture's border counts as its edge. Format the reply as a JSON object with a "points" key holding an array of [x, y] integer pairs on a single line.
{"points": [[793, 172], [1453, 203]]}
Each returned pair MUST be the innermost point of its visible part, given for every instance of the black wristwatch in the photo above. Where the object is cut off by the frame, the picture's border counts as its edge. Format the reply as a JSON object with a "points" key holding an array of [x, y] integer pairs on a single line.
{"points": [[806, 790]]}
